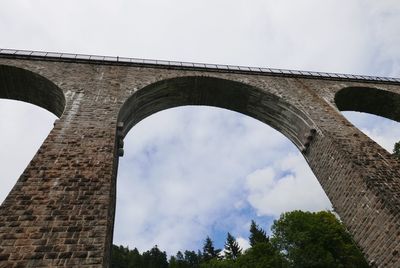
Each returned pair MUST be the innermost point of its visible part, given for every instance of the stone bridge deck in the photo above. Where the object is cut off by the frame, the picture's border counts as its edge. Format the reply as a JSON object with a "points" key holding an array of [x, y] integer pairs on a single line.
{"points": [[96, 59]]}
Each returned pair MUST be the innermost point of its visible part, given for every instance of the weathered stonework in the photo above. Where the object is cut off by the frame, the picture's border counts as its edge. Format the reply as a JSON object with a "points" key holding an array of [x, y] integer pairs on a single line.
{"points": [[61, 210]]}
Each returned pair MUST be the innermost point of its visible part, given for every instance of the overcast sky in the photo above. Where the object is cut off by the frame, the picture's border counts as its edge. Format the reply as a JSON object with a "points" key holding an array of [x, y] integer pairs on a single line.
{"points": [[190, 172]]}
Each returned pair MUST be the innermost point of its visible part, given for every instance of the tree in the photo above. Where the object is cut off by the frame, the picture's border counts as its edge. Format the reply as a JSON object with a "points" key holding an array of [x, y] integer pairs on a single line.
{"points": [[232, 248], [154, 258], [261, 255], [178, 261], [396, 149], [257, 234], [187, 260], [315, 240], [122, 257], [179, 256], [209, 252], [299, 239], [192, 259]]}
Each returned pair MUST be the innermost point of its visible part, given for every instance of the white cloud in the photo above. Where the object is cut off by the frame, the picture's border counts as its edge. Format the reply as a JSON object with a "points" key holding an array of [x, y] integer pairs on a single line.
{"points": [[243, 243], [295, 188], [351, 36], [261, 178], [382, 15]]}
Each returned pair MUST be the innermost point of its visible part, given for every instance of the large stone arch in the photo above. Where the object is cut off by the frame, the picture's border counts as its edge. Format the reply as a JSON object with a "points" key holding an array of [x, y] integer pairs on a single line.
{"points": [[23, 85], [369, 100], [258, 103], [222, 93]]}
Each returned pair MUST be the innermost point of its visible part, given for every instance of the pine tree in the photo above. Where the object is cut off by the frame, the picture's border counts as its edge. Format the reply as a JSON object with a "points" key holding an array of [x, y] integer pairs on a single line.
{"points": [[232, 248], [192, 259], [257, 234], [179, 261], [179, 256], [209, 252], [155, 258]]}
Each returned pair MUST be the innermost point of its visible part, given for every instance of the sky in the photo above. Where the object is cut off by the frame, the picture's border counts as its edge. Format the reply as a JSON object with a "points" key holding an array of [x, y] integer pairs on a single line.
{"points": [[190, 172]]}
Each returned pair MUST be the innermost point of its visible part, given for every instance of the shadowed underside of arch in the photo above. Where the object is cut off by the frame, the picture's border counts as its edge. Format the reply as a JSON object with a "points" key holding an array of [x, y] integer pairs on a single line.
{"points": [[369, 100], [222, 93], [23, 85]]}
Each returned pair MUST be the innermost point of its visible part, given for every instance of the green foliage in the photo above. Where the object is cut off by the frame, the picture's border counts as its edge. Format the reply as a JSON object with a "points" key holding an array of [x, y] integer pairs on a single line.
{"points": [[257, 234], [396, 149], [232, 248], [190, 259], [261, 255], [300, 239], [154, 258], [123, 257], [218, 263], [315, 240], [209, 252]]}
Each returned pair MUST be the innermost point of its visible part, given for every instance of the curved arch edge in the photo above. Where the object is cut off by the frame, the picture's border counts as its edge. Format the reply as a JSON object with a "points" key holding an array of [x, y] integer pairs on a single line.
{"points": [[210, 91], [23, 85], [369, 100]]}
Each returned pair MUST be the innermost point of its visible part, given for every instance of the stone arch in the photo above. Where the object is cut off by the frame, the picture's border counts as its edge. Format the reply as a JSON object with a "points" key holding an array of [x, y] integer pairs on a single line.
{"points": [[369, 100], [222, 93], [249, 100], [23, 85]]}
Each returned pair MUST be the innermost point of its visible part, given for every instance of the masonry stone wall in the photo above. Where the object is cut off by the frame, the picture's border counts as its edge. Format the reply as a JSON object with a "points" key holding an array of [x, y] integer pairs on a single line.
{"points": [[61, 210]]}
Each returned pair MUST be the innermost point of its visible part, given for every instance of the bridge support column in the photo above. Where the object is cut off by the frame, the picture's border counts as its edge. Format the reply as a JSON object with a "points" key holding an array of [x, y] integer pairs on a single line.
{"points": [[61, 210], [362, 180]]}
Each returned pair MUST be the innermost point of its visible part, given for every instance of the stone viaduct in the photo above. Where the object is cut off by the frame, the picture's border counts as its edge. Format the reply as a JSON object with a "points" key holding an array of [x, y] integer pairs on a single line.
{"points": [[61, 210]]}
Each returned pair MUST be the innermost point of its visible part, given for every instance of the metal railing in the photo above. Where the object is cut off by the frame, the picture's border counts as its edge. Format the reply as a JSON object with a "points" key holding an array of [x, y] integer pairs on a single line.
{"points": [[187, 65]]}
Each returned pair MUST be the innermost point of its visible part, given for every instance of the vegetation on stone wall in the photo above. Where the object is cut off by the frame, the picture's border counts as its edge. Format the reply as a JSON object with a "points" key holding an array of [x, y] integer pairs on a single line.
{"points": [[396, 149], [299, 239]]}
